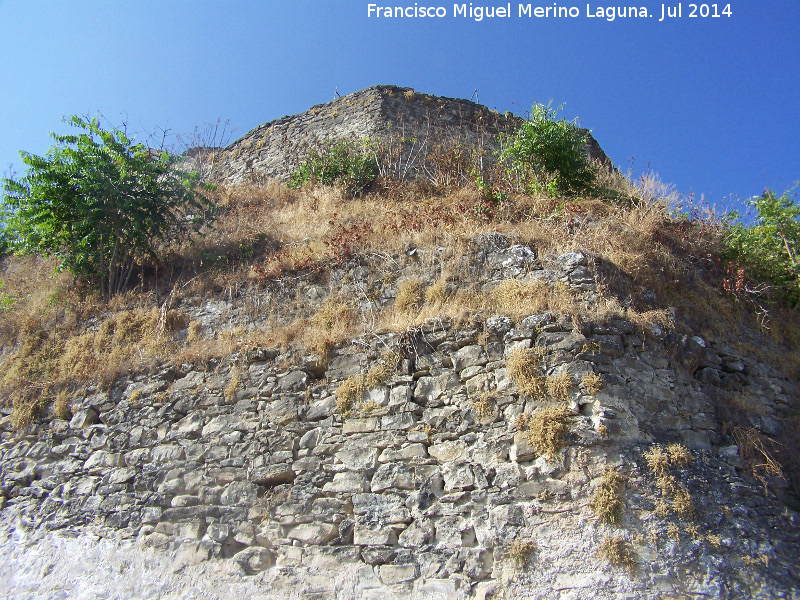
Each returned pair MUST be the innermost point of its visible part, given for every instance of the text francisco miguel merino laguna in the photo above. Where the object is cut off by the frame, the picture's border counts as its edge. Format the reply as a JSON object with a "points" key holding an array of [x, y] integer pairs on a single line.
{"points": [[609, 13]]}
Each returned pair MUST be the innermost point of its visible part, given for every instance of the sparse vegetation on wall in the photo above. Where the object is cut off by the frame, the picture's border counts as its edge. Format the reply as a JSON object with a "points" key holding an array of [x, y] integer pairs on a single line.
{"points": [[342, 163]]}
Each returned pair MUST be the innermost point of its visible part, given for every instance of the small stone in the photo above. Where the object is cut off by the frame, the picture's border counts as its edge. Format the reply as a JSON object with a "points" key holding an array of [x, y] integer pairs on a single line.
{"points": [[416, 535], [469, 356], [254, 559], [272, 475], [391, 574], [358, 459], [239, 493], [83, 418], [349, 482], [313, 533], [448, 451]]}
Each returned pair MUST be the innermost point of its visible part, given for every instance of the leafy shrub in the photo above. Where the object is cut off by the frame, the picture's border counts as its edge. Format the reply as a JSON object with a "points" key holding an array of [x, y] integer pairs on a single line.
{"points": [[100, 203], [337, 163], [767, 250], [548, 155]]}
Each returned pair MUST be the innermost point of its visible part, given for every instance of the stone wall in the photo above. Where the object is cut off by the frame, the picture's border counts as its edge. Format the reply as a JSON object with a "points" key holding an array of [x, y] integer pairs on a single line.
{"points": [[427, 492], [378, 112]]}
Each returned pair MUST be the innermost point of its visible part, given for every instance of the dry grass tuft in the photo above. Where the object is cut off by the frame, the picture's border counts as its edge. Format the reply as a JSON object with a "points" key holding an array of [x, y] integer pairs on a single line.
{"points": [[607, 501], [377, 376], [682, 504], [520, 552], [483, 407], [548, 428], [62, 405], [350, 392], [521, 421], [657, 460], [559, 385], [618, 552], [194, 333], [517, 298], [679, 455], [592, 383], [525, 369], [233, 386], [366, 408], [437, 294], [676, 498], [759, 459], [409, 295]]}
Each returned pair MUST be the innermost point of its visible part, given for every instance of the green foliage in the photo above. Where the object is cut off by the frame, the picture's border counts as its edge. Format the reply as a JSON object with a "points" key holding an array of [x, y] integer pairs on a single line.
{"points": [[548, 155], [767, 250], [493, 194], [101, 203], [337, 163], [6, 302]]}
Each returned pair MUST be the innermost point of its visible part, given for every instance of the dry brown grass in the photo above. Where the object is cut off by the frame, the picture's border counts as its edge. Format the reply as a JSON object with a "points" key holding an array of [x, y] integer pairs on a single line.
{"points": [[606, 502], [679, 455], [618, 552], [483, 407], [334, 322], [675, 497], [350, 393], [233, 386], [657, 460], [267, 234], [194, 333], [520, 552], [592, 383], [62, 407], [525, 370], [409, 295], [548, 428], [436, 294], [559, 385]]}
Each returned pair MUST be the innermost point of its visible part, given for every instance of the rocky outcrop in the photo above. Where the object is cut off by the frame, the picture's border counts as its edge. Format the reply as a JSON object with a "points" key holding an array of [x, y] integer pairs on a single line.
{"points": [[415, 123], [431, 487]]}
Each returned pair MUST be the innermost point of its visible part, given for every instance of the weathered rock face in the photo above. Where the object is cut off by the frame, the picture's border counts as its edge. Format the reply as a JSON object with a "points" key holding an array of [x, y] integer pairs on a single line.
{"points": [[380, 112], [271, 493]]}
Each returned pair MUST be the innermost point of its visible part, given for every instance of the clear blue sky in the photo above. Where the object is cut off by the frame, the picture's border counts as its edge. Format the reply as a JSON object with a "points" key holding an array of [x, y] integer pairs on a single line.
{"points": [[708, 103]]}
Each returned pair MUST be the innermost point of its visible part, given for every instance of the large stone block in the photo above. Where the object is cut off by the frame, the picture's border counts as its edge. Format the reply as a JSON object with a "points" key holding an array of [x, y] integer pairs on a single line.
{"points": [[358, 459], [272, 475], [254, 559], [469, 356], [393, 475], [313, 533], [383, 508], [239, 493]]}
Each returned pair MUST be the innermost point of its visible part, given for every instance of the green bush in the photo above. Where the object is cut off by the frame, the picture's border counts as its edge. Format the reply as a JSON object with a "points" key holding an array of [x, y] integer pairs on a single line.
{"points": [[101, 203], [549, 155], [337, 163], [767, 250]]}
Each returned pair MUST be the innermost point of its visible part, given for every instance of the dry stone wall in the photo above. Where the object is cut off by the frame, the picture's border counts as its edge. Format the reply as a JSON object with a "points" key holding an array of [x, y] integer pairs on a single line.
{"points": [[265, 489], [379, 112]]}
